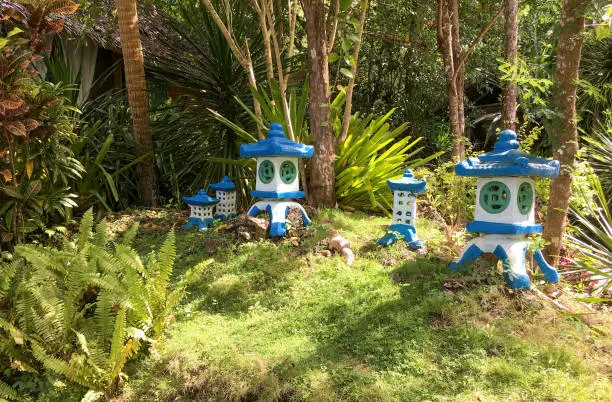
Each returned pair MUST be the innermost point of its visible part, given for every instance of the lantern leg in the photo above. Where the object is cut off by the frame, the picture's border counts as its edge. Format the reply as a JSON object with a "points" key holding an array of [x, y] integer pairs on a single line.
{"points": [[513, 261], [469, 254], [550, 273]]}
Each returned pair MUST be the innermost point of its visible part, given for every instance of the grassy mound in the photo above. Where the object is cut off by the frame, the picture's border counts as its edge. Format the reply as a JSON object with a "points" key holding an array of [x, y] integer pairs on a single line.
{"points": [[279, 321]]}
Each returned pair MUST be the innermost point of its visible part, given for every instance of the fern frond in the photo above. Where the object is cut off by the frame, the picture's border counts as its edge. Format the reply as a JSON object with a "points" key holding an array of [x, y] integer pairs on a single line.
{"points": [[7, 392], [101, 235], [118, 337], [165, 259], [85, 229], [44, 258], [130, 234]]}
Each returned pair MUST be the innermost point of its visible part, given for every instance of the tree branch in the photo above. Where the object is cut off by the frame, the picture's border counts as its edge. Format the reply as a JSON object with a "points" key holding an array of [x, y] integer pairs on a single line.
{"points": [[465, 55]]}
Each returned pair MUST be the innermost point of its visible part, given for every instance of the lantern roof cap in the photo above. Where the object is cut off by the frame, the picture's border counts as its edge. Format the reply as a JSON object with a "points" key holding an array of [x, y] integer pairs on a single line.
{"points": [[408, 183], [277, 144], [507, 160], [226, 184], [201, 198]]}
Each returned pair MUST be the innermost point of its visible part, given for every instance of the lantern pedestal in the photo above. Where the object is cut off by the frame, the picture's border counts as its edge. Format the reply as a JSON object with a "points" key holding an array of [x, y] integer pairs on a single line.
{"points": [[201, 224], [401, 232], [277, 211], [511, 250]]}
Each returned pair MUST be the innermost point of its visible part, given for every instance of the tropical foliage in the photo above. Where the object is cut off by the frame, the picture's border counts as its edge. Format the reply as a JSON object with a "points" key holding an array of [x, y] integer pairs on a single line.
{"points": [[37, 162], [82, 311]]}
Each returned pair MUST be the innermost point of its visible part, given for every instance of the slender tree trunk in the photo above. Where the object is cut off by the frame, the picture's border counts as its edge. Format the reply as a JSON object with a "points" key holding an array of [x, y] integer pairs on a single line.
{"points": [[449, 47], [564, 129], [510, 89], [322, 171], [348, 105], [133, 62]]}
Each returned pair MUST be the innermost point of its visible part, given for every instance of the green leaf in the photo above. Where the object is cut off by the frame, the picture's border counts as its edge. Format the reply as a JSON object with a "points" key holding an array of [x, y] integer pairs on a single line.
{"points": [[14, 32], [347, 72], [333, 57], [345, 4]]}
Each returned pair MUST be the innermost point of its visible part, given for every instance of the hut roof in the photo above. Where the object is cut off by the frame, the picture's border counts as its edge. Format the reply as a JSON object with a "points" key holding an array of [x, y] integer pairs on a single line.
{"points": [[100, 25]]}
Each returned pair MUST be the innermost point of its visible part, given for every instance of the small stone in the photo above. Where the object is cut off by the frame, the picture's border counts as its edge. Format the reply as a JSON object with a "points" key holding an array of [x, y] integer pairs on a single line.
{"points": [[326, 253], [246, 235]]}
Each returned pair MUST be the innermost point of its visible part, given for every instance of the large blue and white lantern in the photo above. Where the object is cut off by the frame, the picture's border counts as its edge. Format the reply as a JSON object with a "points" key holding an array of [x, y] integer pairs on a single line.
{"points": [[225, 192], [505, 201], [277, 178], [404, 190], [202, 210]]}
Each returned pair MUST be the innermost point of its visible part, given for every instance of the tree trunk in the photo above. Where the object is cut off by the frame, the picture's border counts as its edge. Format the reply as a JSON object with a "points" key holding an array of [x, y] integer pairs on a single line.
{"points": [[564, 129], [510, 89], [322, 171], [133, 62], [449, 46]]}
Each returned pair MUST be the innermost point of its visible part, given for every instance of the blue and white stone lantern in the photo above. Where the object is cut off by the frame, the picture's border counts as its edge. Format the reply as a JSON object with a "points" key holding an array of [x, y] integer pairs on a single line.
{"points": [[202, 210], [277, 178], [404, 210], [505, 208], [225, 192]]}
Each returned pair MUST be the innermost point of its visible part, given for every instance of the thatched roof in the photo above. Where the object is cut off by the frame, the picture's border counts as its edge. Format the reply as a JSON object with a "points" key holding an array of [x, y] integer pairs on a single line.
{"points": [[99, 24]]}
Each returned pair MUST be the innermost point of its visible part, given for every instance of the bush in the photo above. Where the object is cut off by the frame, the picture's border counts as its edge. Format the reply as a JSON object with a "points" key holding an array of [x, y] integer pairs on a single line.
{"points": [[81, 312], [372, 154], [37, 162]]}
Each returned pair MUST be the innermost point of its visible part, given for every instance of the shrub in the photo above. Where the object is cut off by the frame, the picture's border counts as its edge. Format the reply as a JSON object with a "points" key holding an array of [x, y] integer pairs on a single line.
{"points": [[372, 154], [82, 311], [36, 162]]}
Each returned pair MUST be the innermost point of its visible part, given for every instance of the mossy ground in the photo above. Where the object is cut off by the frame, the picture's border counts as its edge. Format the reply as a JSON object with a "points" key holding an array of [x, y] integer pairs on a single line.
{"points": [[278, 321]]}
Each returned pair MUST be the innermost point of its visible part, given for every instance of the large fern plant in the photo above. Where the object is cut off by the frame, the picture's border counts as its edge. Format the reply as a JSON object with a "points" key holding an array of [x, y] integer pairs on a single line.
{"points": [[81, 312]]}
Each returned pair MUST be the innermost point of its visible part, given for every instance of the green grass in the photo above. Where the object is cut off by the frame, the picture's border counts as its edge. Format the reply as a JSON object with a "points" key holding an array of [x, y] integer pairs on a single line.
{"points": [[275, 321]]}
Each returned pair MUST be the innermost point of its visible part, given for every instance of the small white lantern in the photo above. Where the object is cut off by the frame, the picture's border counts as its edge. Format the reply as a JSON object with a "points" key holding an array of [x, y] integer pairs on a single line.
{"points": [[202, 207], [225, 192], [404, 190], [277, 178], [505, 204]]}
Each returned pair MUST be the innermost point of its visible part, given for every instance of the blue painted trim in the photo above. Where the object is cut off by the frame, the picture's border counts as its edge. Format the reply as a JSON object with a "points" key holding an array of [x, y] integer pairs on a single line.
{"points": [[224, 185], [277, 144], [550, 273], [388, 239], [278, 229], [197, 222], [277, 194], [507, 160], [223, 217], [471, 254], [200, 199], [503, 228], [514, 280], [401, 231], [305, 219], [255, 211], [408, 184]]}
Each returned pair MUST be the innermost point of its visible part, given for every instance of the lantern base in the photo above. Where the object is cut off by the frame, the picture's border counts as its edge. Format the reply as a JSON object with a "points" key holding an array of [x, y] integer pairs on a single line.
{"points": [[277, 211], [511, 250], [401, 231], [202, 225], [224, 217]]}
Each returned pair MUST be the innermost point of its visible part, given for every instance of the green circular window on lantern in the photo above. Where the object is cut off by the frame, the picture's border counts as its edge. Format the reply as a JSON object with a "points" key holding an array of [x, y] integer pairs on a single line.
{"points": [[288, 172], [524, 198], [494, 197], [266, 171]]}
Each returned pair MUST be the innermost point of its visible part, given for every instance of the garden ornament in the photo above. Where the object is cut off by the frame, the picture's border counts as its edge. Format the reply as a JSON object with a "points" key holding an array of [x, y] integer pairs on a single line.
{"points": [[202, 207], [505, 208], [277, 178], [404, 190], [225, 192]]}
